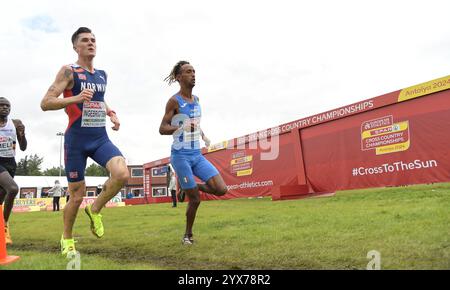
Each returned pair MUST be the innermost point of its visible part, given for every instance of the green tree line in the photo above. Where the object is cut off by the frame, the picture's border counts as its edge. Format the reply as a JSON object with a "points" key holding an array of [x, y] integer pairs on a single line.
{"points": [[31, 165]]}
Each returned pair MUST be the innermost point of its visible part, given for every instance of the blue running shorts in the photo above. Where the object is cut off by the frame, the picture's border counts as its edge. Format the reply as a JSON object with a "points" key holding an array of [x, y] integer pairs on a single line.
{"points": [[78, 147], [187, 166]]}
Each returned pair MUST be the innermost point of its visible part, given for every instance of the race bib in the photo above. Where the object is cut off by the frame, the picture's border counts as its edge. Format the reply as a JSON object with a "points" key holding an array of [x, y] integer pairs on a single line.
{"points": [[192, 135], [94, 114], [7, 147]]}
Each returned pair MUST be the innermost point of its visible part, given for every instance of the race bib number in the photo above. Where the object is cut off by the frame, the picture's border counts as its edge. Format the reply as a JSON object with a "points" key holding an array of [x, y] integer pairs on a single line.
{"points": [[192, 135], [7, 147], [94, 114]]}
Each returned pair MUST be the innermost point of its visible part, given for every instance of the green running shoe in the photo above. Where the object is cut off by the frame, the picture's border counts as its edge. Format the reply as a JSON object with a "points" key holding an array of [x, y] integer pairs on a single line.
{"points": [[96, 222], [67, 246]]}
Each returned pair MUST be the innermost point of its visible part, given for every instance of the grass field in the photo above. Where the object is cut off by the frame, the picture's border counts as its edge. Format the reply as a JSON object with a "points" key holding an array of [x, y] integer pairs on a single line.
{"points": [[409, 226]]}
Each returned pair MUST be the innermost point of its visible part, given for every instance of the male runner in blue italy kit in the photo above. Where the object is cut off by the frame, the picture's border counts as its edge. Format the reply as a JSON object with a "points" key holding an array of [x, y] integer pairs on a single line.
{"points": [[182, 120], [84, 90]]}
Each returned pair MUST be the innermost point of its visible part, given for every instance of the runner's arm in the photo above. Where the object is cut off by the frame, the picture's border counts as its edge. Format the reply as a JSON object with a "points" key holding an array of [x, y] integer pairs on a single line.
{"points": [[205, 139], [113, 117], [166, 128], [63, 81], [20, 130]]}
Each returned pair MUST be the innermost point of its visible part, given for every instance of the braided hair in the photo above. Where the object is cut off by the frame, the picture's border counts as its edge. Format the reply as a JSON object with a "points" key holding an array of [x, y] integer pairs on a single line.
{"points": [[172, 77]]}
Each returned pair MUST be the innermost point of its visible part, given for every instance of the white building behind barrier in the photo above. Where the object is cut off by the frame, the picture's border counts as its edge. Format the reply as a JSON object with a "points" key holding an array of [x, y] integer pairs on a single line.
{"points": [[37, 186]]}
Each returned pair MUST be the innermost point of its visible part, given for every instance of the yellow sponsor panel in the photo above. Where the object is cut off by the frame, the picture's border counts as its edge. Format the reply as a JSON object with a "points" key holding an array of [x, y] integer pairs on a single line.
{"points": [[397, 127], [35, 208], [423, 89], [393, 148], [245, 172], [242, 160], [218, 146], [41, 203]]}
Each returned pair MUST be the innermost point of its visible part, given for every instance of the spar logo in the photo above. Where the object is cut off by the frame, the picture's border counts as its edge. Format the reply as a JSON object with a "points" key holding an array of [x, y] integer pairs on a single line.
{"points": [[93, 105], [384, 136]]}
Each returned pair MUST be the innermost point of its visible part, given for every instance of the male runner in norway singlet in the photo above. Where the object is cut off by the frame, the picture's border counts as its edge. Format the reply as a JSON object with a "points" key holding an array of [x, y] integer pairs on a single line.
{"points": [[182, 120], [11, 131], [84, 90]]}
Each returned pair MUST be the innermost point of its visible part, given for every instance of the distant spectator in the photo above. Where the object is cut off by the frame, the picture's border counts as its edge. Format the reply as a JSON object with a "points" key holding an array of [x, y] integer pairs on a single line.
{"points": [[57, 192], [129, 195]]}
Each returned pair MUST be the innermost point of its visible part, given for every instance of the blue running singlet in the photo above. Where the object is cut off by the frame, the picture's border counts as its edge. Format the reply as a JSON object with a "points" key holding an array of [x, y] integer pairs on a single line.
{"points": [[86, 134], [186, 158]]}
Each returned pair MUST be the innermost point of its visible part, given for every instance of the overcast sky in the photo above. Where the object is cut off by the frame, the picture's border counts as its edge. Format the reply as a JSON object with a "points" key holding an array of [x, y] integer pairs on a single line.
{"points": [[258, 63]]}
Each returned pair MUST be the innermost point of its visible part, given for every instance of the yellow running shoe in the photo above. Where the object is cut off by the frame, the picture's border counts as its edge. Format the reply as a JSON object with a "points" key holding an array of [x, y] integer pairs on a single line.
{"points": [[96, 222], [67, 246], [8, 239]]}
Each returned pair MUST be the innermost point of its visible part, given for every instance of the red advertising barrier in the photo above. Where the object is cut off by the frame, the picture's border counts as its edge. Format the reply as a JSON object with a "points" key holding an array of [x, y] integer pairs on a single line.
{"points": [[396, 139], [404, 143]]}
